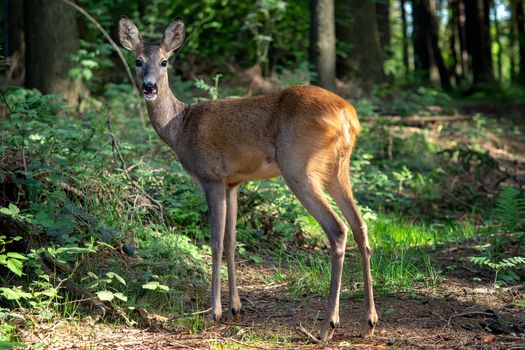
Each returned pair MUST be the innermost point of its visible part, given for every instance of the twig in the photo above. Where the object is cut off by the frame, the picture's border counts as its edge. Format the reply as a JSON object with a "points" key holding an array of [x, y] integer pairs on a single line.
{"points": [[190, 314], [116, 149], [2, 93], [417, 119], [475, 313], [71, 189], [119, 53], [248, 345], [301, 329]]}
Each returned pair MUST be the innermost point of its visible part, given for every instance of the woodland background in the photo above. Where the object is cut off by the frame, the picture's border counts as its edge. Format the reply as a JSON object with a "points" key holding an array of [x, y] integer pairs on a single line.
{"points": [[103, 237]]}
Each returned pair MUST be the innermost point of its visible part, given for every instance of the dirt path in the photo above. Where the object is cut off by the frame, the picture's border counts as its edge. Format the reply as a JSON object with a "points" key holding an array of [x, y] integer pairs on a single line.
{"points": [[456, 315]]}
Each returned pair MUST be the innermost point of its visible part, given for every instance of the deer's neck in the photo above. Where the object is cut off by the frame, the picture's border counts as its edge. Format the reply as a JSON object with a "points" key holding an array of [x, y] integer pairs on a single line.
{"points": [[165, 114]]}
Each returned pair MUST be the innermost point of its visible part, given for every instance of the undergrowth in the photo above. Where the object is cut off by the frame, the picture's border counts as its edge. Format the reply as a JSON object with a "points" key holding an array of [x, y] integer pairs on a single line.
{"points": [[97, 215]]}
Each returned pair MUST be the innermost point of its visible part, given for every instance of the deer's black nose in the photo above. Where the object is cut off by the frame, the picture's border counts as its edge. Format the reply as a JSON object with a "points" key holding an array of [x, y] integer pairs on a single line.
{"points": [[149, 87]]}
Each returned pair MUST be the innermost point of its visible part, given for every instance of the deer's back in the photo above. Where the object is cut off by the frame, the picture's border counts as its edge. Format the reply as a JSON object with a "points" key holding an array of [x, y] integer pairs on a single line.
{"points": [[237, 139]]}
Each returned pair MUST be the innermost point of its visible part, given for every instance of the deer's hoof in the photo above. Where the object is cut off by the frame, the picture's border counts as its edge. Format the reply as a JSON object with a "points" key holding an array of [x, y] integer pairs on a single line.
{"points": [[215, 316], [369, 326], [327, 329], [237, 311]]}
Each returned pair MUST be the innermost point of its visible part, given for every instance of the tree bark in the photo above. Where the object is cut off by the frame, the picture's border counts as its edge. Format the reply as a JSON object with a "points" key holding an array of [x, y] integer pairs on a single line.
{"points": [[14, 42], [478, 40], [427, 53], [360, 36], [433, 33], [462, 34], [322, 42], [51, 39], [383, 24], [420, 39], [520, 26], [453, 40]]}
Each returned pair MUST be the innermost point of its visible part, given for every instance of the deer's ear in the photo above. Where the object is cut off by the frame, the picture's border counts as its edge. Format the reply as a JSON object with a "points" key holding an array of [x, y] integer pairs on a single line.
{"points": [[129, 35], [173, 36]]}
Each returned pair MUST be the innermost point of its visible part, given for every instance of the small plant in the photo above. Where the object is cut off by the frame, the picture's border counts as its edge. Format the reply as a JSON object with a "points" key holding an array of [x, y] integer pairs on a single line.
{"points": [[503, 269], [105, 286], [510, 209], [12, 260], [212, 90]]}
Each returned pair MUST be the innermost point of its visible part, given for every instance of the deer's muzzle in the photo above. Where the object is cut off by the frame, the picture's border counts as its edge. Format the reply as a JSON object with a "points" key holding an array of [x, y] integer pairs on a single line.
{"points": [[150, 91]]}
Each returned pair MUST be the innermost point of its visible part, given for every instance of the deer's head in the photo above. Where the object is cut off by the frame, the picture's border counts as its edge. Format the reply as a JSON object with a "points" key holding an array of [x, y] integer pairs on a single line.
{"points": [[151, 59]]}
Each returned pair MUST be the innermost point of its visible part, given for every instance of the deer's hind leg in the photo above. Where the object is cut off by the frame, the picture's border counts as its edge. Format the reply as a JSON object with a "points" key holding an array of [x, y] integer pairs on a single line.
{"points": [[309, 190], [341, 191], [229, 247]]}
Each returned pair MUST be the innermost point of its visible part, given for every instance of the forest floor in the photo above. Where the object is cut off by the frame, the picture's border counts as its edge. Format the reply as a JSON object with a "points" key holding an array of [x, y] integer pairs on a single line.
{"points": [[458, 314], [460, 308]]}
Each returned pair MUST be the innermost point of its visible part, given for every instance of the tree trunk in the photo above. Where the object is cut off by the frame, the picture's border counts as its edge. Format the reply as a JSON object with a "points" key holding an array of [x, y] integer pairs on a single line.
{"points": [[433, 32], [520, 26], [383, 25], [478, 40], [14, 42], [322, 42], [51, 38], [360, 38], [427, 54], [498, 42], [453, 40], [420, 39], [462, 35], [404, 37], [512, 42]]}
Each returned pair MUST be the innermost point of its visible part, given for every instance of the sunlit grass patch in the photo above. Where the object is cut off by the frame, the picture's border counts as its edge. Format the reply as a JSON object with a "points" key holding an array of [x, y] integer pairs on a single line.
{"points": [[401, 258]]}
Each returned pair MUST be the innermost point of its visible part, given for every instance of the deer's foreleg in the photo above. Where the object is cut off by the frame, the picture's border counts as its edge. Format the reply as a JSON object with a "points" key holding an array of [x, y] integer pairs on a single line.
{"points": [[216, 199]]}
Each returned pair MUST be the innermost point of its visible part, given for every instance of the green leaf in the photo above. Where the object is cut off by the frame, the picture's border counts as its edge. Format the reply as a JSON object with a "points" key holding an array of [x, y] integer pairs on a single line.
{"points": [[105, 295], [164, 288], [113, 275], [121, 296], [152, 285], [15, 266], [16, 256], [14, 294], [14, 209]]}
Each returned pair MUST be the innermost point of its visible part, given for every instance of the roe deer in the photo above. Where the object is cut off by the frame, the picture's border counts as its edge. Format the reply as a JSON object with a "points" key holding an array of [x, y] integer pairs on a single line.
{"points": [[304, 133]]}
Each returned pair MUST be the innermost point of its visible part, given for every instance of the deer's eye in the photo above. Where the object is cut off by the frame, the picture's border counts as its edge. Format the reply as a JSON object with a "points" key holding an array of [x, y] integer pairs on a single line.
{"points": [[164, 63], [138, 63]]}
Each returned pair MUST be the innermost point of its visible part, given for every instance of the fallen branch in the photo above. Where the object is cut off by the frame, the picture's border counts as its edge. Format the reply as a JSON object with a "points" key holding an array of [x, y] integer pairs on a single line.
{"points": [[475, 313], [301, 329], [417, 119]]}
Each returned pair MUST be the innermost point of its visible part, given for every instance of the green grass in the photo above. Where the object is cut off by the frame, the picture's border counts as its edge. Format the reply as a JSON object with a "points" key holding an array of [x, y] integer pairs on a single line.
{"points": [[401, 259]]}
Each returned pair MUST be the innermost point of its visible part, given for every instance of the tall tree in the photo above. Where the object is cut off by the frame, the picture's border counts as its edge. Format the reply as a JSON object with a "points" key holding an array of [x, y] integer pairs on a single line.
{"points": [[51, 37], [14, 43], [520, 32], [383, 25], [322, 42], [453, 40], [427, 53], [479, 41], [497, 36], [359, 34]]}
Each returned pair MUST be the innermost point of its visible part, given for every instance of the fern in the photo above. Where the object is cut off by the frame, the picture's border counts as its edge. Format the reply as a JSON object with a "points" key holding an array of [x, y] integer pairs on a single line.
{"points": [[510, 209], [507, 264]]}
